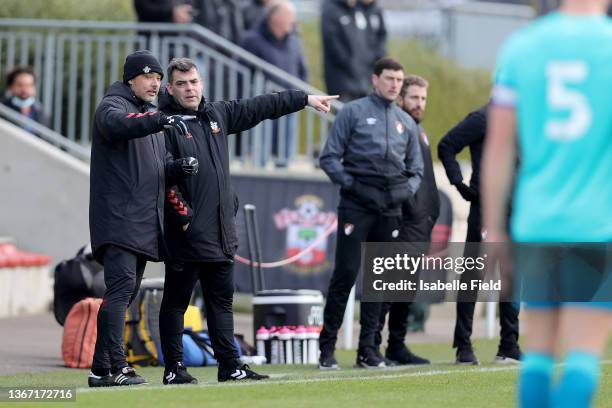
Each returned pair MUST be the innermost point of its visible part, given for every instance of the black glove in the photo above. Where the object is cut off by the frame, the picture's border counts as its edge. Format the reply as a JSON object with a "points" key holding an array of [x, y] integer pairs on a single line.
{"points": [[179, 212], [178, 122], [467, 192], [185, 166]]}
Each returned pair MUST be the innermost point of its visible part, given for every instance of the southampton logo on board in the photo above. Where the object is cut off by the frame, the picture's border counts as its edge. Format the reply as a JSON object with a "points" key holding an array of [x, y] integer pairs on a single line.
{"points": [[304, 224]]}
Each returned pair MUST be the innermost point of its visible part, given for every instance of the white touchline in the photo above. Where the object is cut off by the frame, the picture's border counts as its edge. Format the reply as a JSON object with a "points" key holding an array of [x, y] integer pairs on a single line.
{"points": [[272, 380]]}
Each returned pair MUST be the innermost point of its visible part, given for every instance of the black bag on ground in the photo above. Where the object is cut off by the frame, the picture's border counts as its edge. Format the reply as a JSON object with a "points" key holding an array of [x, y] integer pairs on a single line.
{"points": [[142, 338], [75, 280]]}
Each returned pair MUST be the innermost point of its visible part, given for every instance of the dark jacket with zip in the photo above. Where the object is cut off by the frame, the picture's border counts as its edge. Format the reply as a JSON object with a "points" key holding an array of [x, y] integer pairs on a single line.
{"points": [[128, 155], [373, 153], [426, 206], [211, 235]]}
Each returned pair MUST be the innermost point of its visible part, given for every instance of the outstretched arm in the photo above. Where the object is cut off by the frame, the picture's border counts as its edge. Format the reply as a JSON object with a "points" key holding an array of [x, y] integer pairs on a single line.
{"points": [[244, 114]]}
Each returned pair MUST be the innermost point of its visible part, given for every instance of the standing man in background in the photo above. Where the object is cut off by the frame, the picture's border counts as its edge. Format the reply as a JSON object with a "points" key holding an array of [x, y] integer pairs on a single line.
{"points": [[347, 50], [126, 203], [470, 132], [275, 40], [372, 153], [417, 223]]}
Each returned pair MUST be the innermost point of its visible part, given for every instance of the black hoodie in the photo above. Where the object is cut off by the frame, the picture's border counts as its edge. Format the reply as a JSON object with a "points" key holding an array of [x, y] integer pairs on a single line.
{"points": [[127, 175], [211, 236]]}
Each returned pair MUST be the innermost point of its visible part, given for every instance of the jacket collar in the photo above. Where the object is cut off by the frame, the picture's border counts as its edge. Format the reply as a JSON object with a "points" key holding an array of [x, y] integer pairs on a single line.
{"points": [[379, 100]]}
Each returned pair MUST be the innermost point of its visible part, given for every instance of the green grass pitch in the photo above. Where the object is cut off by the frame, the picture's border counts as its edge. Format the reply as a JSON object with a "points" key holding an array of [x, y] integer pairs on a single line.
{"points": [[441, 384]]}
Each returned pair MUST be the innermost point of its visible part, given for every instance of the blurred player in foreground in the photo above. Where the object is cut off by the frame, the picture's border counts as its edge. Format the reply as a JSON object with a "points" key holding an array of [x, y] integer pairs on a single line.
{"points": [[552, 90]]}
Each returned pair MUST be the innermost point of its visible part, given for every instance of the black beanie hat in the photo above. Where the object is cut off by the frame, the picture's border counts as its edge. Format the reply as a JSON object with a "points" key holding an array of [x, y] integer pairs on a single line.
{"points": [[140, 62]]}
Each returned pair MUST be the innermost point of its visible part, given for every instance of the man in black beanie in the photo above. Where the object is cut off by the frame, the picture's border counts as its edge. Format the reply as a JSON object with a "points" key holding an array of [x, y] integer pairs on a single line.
{"points": [[129, 166]]}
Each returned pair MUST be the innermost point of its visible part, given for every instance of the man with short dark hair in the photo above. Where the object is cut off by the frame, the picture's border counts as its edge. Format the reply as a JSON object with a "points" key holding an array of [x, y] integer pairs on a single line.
{"points": [[128, 171], [200, 226], [21, 85], [373, 154], [417, 223]]}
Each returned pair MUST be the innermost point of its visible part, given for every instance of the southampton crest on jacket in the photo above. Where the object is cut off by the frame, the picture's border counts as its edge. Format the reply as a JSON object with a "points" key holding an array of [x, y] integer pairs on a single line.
{"points": [[304, 225]]}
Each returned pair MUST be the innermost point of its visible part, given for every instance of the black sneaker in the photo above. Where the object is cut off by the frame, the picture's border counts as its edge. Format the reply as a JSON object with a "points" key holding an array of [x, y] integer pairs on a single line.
{"points": [[512, 356], [466, 356], [388, 363], [178, 375], [127, 376], [327, 361], [99, 380], [239, 373], [369, 358], [403, 356]]}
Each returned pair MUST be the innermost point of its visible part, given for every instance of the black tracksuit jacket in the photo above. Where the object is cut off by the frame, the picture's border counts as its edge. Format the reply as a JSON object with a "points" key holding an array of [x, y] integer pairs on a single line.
{"points": [[211, 236], [128, 160]]}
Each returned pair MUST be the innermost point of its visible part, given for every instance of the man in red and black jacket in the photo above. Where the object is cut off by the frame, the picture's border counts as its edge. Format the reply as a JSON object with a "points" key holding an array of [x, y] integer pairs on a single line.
{"points": [[127, 182], [200, 223]]}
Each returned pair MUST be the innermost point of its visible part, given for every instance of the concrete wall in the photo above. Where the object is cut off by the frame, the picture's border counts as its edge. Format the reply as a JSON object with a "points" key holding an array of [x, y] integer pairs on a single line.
{"points": [[44, 195]]}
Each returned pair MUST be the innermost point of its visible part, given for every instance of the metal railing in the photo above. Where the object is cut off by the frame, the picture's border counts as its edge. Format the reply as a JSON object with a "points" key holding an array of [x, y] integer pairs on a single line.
{"points": [[75, 149], [75, 62]]}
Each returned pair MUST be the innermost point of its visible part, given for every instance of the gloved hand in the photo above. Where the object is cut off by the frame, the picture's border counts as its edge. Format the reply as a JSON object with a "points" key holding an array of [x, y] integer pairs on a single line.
{"points": [[467, 192], [185, 166], [179, 212], [178, 122]]}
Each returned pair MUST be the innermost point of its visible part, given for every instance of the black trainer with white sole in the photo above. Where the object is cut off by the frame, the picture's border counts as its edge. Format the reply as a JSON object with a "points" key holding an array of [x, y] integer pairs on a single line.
{"points": [[466, 356], [127, 376], [403, 356], [509, 356], [327, 361], [370, 358], [177, 374], [99, 380], [239, 373]]}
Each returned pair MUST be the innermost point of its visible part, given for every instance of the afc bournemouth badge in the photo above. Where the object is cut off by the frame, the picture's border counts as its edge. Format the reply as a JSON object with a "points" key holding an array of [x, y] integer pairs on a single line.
{"points": [[425, 139], [214, 127], [400, 127], [348, 229]]}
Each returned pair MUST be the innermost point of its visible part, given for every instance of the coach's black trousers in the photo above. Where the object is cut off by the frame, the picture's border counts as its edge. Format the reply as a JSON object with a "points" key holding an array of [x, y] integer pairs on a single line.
{"points": [[123, 270], [508, 311], [417, 232], [354, 227], [217, 282]]}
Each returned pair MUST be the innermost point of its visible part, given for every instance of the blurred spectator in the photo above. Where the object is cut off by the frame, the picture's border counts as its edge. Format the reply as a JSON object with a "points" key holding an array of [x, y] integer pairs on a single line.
{"points": [[21, 87], [163, 11], [223, 17], [352, 34], [376, 30], [274, 40], [254, 12]]}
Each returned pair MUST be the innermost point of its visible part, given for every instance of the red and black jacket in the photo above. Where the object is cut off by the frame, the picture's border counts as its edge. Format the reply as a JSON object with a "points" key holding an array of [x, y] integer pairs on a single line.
{"points": [[128, 156]]}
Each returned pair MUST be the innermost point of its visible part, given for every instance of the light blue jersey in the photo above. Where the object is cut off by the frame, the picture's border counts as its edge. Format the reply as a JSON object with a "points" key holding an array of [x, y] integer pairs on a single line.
{"points": [[557, 74]]}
